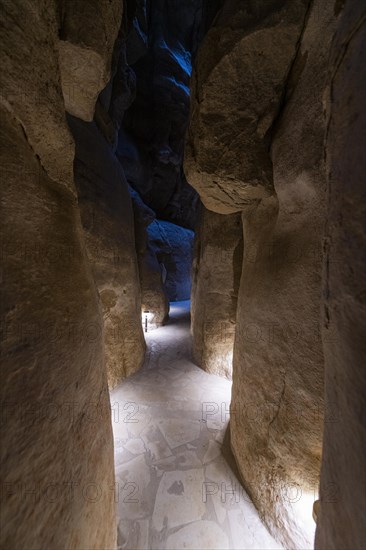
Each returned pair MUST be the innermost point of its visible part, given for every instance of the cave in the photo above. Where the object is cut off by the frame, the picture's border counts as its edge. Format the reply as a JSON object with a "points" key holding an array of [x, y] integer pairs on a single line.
{"points": [[183, 275]]}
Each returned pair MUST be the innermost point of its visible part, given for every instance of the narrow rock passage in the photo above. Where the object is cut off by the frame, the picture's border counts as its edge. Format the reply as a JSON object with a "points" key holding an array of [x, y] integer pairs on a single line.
{"points": [[175, 488]]}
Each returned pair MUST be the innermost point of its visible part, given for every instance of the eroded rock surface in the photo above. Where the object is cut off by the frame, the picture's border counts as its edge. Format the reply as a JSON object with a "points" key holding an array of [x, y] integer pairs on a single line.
{"points": [[30, 84], [56, 440], [278, 352], [216, 277], [87, 34], [154, 298], [343, 500], [107, 218], [73, 292], [237, 87], [54, 396], [254, 109]]}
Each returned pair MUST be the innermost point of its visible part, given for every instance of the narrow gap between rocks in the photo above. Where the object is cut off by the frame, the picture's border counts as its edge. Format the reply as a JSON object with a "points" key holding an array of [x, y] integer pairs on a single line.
{"points": [[175, 479], [155, 152]]}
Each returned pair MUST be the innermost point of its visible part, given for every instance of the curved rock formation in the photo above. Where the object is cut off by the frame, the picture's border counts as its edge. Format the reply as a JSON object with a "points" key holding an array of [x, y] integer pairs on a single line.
{"points": [[87, 33], [34, 95], [107, 218], [216, 276], [97, 238], [56, 438], [237, 86], [341, 521], [252, 111], [278, 354], [160, 46], [154, 298]]}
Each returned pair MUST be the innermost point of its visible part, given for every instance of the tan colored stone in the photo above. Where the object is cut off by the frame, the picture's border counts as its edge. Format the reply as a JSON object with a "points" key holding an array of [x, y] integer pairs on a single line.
{"points": [[216, 277], [236, 92], [154, 298], [56, 438], [87, 35], [278, 355], [341, 518], [56, 446], [107, 218], [242, 106], [30, 83]]}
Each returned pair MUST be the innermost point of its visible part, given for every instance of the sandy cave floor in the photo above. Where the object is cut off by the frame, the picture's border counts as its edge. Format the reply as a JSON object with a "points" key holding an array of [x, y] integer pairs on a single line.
{"points": [[175, 487]]}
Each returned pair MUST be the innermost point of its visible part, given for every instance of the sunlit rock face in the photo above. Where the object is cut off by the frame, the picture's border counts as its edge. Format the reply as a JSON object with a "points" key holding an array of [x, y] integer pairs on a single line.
{"points": [[256, 104], [341, 522], [108, 222], [216, 276], [56, 442]]}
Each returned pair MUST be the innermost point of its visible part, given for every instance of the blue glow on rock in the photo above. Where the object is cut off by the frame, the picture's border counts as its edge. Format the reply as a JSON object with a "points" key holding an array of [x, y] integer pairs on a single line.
{"points": [[181, 56], [178, 84]]}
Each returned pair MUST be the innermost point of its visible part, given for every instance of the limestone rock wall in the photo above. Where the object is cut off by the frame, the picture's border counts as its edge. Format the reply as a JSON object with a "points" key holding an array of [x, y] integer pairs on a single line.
{"points": [[341, 522], [278, 350], [236, 89], [216, 277], [87, 33], [154, 297], [108, 222], [34, 98], [56, 439], [255, 145]]}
